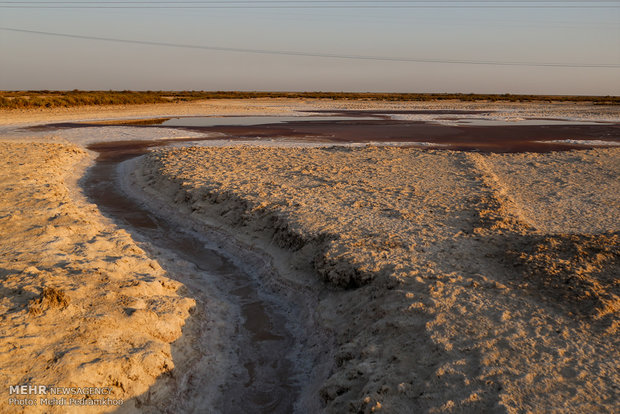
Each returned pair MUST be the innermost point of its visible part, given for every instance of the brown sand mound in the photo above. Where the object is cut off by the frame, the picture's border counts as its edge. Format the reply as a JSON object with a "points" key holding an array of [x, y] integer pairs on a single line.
{"points": [[82, 305]]}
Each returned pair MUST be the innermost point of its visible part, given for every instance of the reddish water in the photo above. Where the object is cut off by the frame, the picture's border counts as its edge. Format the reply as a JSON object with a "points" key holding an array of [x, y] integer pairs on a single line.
{"points": [[357, 128]]}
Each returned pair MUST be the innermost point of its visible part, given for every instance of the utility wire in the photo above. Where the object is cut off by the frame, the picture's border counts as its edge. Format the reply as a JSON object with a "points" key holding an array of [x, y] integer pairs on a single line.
{"points": [[309, 4], [317, 55], [249, 6], [311, 1]]}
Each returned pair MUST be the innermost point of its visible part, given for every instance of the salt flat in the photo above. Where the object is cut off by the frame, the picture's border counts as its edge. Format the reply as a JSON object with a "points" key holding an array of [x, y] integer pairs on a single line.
{"points": [[447, 281]]}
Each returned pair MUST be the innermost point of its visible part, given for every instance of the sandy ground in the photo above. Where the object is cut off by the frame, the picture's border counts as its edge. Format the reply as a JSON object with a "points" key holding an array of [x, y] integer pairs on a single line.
{"points": [[82, 304], [449, 281], [453, 288]]}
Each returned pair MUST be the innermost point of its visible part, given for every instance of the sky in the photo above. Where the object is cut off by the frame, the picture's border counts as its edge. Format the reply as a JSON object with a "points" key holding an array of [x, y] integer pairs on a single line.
{"points": [[395, 41]]}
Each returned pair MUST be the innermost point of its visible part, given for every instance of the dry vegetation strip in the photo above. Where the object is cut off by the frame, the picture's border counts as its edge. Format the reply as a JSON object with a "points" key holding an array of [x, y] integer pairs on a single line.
{"points": [[54, 99]]}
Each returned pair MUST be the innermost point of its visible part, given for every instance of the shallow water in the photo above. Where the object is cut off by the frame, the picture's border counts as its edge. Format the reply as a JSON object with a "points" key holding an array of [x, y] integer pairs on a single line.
{"points": [[210, 121], [452, 130], [265, 381]]}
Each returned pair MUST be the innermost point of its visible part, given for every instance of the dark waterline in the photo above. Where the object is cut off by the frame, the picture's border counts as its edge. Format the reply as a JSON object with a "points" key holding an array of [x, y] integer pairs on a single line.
{"points": [[268, 384]]}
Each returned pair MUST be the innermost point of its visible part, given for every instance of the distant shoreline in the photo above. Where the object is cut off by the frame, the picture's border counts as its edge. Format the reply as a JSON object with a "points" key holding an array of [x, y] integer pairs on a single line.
{"points": [[46, 99], [290, 106]]}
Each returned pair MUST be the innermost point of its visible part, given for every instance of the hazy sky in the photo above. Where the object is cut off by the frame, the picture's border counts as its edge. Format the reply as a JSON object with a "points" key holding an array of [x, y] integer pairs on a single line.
{"points": [[561, 34]]}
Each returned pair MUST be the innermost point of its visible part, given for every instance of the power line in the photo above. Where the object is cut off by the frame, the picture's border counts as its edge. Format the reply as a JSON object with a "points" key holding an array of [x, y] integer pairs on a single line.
{"points": [[316, 55], [313, 1], [313, 7], [309, 4], [302, 7], [309, 1]]}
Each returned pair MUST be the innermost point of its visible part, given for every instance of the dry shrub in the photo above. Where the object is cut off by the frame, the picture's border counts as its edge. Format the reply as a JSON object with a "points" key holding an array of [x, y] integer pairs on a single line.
{"points": [[50, 298]]}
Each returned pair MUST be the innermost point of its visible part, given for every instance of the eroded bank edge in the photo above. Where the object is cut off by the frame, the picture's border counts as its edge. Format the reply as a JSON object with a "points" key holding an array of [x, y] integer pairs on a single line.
{"points": [[259, 257]]}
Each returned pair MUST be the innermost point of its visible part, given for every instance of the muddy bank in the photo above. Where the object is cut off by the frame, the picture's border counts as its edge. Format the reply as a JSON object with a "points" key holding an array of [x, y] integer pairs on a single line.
{"points": [[276, 354], [264, 365], [442, 295]]}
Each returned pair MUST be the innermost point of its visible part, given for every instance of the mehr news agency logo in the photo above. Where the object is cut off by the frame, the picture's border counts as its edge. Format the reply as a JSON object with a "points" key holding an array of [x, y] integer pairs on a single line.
{"points": [[32, 395]]}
